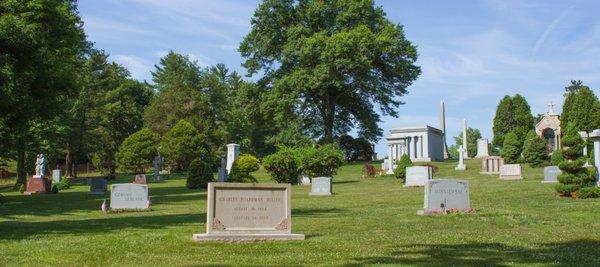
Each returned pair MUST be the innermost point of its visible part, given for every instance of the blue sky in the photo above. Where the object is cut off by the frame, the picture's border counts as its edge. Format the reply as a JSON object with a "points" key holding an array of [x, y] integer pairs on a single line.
{"points": [[472, 53]]}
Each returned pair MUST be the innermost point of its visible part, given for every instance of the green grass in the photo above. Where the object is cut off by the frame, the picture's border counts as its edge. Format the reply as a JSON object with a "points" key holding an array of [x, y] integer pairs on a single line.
{"points": [[370, 221]]}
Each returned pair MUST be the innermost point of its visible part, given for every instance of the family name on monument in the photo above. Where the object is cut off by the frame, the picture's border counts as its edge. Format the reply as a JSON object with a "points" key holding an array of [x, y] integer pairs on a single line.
{"points": [[510, 172], [551, 174], [129, 196], [321, 186], [444, 195], [248, 212], [418, 175]]}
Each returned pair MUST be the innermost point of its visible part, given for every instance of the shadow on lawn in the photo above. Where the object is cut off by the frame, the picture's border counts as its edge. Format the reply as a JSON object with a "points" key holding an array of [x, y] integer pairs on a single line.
{"points": [[17, 230], [71, 201], [579, 253], [313, 212]]}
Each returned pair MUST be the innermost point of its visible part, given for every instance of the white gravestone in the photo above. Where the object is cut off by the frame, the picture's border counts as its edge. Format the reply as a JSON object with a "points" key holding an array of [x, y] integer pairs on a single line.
{"points": [[445, 195], [510, 172], [461, 160], [56, 175], [418, 175], [248, 212], [551, 174], [482, 148], [321, 186], [129, 196], [233, 151]]}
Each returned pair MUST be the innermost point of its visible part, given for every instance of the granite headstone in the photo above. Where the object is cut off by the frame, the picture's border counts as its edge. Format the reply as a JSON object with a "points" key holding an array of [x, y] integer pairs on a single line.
{"points": [[551, 174], [321, 186], [444, 195], [418, 175], [129, 196], [98, 186], [510, 172]]}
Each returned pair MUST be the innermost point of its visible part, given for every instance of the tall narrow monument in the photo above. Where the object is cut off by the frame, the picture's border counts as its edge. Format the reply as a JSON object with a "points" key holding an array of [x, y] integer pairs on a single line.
{"points": [[443, 128], [464, 137]]}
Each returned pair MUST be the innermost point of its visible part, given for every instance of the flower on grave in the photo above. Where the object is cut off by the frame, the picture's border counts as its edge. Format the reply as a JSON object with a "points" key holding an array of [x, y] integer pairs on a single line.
{"points": [[148, 204], [103, 206]]}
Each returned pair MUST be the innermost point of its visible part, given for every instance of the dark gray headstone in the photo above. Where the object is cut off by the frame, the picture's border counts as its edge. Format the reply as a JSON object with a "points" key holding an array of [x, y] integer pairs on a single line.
{"points": [[98, 186], [551, 174]]}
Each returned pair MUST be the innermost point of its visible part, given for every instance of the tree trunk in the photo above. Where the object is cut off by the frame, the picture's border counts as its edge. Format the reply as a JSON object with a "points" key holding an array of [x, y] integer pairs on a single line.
{"points": [[69, 161], [21, 165], [328, 118]]}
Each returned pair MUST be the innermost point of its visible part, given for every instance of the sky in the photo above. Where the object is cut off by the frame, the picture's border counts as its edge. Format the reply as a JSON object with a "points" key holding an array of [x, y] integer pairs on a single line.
{"points": [[471, 53]]}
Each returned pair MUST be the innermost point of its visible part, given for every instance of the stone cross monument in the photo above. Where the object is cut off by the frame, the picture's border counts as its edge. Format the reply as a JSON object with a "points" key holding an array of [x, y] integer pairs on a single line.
{"points": [[443, 128], [461, 162]]}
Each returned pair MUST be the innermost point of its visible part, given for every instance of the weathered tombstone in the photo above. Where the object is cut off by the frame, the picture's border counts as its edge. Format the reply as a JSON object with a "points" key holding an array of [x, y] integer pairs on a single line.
{"points": [[233, 151], [223, 170], [248, 212], [158, 161], [38, 184], [139, 179], [491, 165], [510, 172], [482, 148], [129, 196], [551, 174], [303, 179], [321, 186], [98, 186], [461, 160], [418, 175], [56, 175], [444, 195]]}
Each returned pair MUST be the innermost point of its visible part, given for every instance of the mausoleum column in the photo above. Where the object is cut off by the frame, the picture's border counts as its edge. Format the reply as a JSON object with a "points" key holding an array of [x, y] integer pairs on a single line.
{"points": [[408, 150], [417, 147], [390, 160], [425, 146]]}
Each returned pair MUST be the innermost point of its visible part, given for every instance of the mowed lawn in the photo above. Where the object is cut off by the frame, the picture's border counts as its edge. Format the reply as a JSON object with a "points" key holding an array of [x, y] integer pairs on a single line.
{"points": [[367, 221]]}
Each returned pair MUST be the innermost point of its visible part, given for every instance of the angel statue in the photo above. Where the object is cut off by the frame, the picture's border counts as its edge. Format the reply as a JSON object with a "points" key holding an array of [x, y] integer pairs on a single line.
{"points": [[40, 165]]}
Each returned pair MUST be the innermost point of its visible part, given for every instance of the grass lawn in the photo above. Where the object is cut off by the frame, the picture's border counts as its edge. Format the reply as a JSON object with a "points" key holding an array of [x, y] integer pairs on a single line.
{"points": [[370, 221]]}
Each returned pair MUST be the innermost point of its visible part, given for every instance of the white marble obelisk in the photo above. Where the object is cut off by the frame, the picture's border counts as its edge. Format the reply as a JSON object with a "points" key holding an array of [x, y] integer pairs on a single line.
{"points": [[443, 128], [464, 145]]}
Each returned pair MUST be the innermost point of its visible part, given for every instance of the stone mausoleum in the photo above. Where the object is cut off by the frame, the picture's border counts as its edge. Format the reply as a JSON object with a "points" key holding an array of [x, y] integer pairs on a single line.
{"points": [[421, 143], [549, 128]]}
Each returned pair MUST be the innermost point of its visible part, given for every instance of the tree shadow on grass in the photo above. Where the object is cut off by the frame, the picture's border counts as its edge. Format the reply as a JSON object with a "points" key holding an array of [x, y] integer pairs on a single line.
{"points": [[17, 230], [579, 252], [345, 182], [314, 212]]}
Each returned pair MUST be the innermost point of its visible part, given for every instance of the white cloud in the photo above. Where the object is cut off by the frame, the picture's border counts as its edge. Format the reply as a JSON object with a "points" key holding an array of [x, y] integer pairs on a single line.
{"points": [[551, 28], [139, 67]]}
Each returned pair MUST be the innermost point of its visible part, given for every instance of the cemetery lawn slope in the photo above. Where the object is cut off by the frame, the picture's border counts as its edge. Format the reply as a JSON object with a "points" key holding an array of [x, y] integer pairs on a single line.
{"points": [[366, 221]]}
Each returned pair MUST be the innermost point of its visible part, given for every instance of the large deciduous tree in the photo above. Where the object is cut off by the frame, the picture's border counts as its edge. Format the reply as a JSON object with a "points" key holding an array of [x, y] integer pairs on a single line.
{"points": [[472, 136], [581, 108], [329, 64], [512, 115], [41, 44]]}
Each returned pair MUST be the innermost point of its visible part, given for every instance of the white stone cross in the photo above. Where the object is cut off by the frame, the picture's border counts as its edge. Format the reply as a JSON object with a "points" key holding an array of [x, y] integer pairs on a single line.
{"points": [[551, 108], [461, 159]]}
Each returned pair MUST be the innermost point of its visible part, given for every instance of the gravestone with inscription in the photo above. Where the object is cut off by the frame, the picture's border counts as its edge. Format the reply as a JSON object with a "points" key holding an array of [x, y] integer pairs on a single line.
{"points": [[510, 172], [551, 174], [321, 186], [56, 175], [129, 196], [98, 186], [248, 212], [418, 175], [444, 195]]}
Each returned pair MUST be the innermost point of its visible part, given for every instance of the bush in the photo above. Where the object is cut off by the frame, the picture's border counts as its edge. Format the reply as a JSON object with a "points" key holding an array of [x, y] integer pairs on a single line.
{"points": [[65, 183], [574, 176], [137, 151], [283, 165], [589, 192], [511, 148], [400, 171], [199, 174], [242, 167], [54, 189], [181, 145], [2, 199], [22, 188], [368, 171], [557, 157], [323, 160], [535, 150]]}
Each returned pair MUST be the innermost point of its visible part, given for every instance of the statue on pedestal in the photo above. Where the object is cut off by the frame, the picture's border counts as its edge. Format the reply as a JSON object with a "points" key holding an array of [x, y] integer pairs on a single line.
{"points": [[40, 166]]}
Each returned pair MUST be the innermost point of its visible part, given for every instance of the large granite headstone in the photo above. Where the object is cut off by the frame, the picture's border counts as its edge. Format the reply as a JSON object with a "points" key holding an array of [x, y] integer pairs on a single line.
{"points": [[56, 175], [248, 212], [551, 174], [510, 172], [418, 175], [321, 186], [444, 195], [129, 196], [98, 186]]}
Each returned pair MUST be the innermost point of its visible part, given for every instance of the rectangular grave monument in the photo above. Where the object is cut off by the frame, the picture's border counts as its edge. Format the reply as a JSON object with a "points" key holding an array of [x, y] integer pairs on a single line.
{"points": [[444, 195], [510, 172], [98, 186], [551, 174], [321, 186], [129, 196], [491, 165], [248, 212], [418, 175], [56, 175]]}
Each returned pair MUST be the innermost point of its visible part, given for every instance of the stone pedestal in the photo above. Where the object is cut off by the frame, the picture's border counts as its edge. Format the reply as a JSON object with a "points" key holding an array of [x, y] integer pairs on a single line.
{"points": [[38, 185]]}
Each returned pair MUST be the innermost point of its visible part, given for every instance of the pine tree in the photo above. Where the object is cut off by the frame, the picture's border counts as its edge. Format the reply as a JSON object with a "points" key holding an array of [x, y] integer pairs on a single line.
{"points": [[513, 114], [581, 107], [574, 176]]}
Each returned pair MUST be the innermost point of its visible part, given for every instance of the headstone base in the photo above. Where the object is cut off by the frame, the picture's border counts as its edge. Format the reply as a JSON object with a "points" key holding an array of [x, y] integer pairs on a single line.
{"points": [[246, 237], [489, 172], [549, 182], [38, 186], [511, 177], [462, 167], [319, 194]]}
